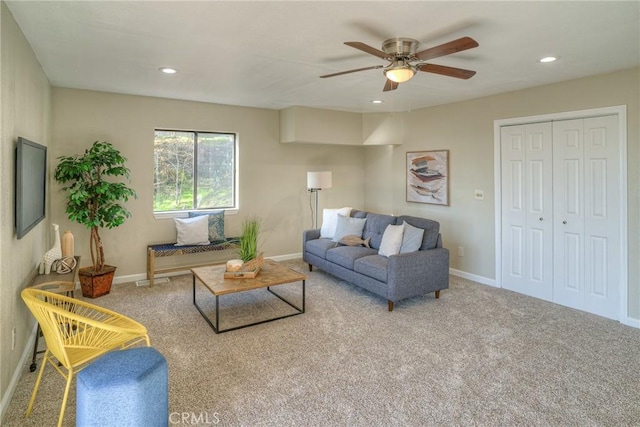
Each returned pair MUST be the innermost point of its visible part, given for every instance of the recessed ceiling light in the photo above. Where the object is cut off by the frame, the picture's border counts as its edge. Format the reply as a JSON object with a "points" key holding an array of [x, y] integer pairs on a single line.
{"points": [[168, 70], [548, 59], [377, 101]]}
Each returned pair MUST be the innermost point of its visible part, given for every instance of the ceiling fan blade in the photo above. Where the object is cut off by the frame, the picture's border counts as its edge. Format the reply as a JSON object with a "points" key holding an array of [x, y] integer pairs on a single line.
{"points": [[352, 71], [368, 49], [390, 85], [447, 71], [454, 46]]}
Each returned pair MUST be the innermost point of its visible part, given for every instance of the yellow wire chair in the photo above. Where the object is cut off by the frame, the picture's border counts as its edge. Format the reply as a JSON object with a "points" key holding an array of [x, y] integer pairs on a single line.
{"points": [[77, 332]]}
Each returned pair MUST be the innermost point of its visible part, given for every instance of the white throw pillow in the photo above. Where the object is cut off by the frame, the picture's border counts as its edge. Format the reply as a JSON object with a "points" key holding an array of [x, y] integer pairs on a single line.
{"points": [[330, 221], [348, 226], [411, 238], [391, 240], [192, 231]]}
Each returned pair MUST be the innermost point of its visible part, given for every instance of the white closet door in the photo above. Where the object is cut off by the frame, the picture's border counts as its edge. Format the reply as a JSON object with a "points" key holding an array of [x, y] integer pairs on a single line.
{"points": [[527, 209], [587, 214], [568, 184], [602, 216]]}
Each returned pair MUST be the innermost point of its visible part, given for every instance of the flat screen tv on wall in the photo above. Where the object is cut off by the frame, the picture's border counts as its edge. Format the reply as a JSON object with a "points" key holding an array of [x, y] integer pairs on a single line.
{"points": [[31, 185]]}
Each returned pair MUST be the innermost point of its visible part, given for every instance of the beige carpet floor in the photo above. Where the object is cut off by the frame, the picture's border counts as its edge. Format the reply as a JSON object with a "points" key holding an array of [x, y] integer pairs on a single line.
{"points": [[476, 356]]}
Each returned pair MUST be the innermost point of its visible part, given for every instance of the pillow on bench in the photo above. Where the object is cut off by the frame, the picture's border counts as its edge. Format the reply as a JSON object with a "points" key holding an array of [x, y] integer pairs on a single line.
{"points": [[192, 231], [215, 224]]}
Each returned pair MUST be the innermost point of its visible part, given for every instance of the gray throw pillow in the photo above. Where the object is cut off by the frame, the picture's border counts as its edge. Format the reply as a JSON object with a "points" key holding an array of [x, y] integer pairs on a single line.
{"points": [[411, 239], [347, 225]]}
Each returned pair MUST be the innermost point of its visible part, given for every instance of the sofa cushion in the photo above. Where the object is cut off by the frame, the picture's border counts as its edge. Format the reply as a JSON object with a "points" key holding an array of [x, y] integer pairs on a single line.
{"points": [[375, 226], [374, 266], [411, 238], [319, 247], [391, 240], [355, 213], [348, 226], [330, 220], [431, 229], [345, 256]]}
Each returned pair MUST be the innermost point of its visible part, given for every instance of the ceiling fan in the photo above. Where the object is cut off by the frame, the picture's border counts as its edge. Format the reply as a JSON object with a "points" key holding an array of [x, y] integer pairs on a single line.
{"points": [[401, 53]]}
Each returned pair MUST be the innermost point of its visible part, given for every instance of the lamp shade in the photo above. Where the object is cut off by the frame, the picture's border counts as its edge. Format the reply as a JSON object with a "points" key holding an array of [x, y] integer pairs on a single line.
{"points": [[319, 180]]}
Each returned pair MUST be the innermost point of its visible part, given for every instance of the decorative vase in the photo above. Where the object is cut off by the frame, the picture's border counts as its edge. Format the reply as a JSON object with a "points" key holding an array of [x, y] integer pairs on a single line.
{"points": [[67, 244], [52, 254]]}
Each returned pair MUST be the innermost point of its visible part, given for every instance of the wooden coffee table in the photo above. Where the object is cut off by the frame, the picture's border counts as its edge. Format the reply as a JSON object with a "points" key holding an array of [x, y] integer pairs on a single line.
{"points": [[271, 274]]}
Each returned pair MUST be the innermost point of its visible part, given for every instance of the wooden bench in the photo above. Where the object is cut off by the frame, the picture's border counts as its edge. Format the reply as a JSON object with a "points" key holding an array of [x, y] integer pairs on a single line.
{"points": [[170, 249]]}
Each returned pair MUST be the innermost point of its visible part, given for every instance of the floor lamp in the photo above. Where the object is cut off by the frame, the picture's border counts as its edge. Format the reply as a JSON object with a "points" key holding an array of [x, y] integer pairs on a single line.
{"points": [[317, 181]]}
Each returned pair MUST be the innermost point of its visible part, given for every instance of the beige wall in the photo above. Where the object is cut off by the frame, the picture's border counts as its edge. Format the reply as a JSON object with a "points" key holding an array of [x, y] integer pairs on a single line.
{"points": [[466, 129], [272, 178], [24, 111]]}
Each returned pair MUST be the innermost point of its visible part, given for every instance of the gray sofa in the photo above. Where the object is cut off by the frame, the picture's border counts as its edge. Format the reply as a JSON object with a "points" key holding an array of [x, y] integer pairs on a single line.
{"points": [[395, 277]]}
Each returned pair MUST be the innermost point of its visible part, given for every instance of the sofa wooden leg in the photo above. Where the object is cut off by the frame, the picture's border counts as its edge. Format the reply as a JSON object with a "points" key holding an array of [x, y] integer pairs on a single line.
{"points": [[390, 305], [310, 267], [437, 294]]}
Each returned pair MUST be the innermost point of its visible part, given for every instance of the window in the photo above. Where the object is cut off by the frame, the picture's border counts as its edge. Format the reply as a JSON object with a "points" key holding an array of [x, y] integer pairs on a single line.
{"points": [[193, 170]]}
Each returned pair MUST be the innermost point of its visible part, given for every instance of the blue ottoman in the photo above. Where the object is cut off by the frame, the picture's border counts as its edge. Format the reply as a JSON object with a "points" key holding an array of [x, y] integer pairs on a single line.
{"points": [[124, 388]]}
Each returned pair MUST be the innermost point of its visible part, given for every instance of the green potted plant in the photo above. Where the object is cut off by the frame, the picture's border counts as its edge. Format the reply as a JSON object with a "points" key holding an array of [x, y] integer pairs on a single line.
{"points": [[248, 249], [95, 202], [248, 246]]}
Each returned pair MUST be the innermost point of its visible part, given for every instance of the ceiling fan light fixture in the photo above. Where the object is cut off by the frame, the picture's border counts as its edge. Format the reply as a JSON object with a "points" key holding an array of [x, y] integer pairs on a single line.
{"points": [[400, 72]]}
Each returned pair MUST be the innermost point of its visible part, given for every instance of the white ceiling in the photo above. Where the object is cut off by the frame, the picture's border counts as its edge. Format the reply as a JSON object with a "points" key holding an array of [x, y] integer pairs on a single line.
{"points": [[270, 54]]}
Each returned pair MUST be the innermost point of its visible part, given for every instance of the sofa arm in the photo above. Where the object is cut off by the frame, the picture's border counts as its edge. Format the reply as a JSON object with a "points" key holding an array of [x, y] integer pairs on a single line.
{"points": [[417, 273], [309, 235]]}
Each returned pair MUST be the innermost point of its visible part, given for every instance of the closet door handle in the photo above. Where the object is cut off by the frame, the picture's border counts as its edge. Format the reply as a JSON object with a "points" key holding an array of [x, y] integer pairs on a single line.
{"points": [[540, 219], [564, 222]]}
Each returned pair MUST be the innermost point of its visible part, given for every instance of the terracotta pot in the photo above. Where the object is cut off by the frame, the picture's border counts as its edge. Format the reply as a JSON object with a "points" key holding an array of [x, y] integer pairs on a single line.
{"points": [[96, 284]]}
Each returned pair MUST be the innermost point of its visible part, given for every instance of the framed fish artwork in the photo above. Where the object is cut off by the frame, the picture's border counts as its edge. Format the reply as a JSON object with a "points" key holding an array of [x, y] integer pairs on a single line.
{"points": [[428, 177]]}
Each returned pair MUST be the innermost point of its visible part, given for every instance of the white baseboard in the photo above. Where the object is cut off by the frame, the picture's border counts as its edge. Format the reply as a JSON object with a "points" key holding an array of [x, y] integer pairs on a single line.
{"points": [[27, 353], [630, 321], [480, 279], [286, 257]]}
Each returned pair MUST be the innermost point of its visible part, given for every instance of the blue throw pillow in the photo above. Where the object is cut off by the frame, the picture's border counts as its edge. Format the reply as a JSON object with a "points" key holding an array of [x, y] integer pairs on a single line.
{"points": [[411, 239], [216, 224], [347, 226]]}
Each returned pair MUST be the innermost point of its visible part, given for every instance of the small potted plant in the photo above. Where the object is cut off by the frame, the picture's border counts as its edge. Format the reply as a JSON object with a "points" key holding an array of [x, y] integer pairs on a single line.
{"points": [[95, 202], [250, 260], [248, 248]]}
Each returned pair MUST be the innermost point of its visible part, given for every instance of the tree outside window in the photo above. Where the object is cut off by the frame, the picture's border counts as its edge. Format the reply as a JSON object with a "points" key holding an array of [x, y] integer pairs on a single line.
{"points": [[193, 170]]}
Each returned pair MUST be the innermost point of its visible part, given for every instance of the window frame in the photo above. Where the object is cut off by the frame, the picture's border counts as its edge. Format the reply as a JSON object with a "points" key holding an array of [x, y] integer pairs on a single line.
{"points": [[236, 158]]}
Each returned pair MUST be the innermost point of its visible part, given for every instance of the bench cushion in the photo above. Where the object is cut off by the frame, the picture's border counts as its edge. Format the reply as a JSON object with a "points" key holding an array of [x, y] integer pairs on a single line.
{"points": [[170, 249]]}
